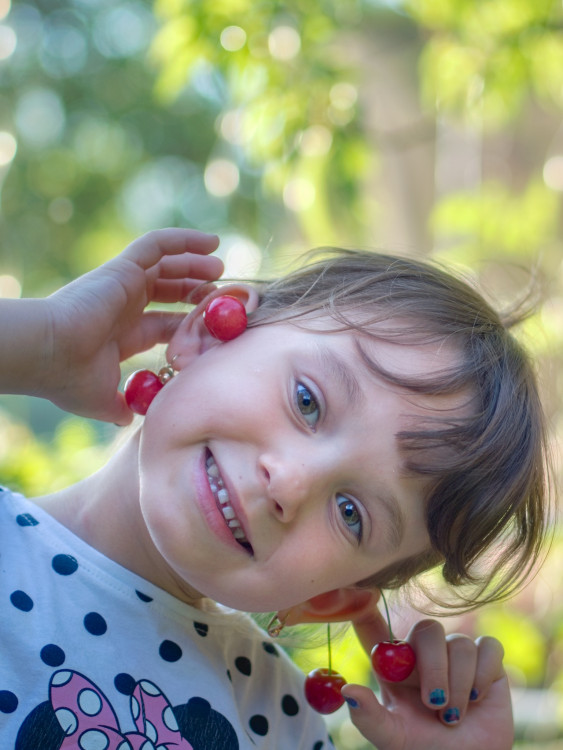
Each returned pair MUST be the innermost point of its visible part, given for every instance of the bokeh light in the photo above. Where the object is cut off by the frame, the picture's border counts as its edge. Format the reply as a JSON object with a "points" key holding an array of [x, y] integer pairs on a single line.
{"points": [[10, 287], [221, 177], [8, 147], [5, 6], [8, 41], [40, 117], [233, 38], [284, 42], [553, 173]]}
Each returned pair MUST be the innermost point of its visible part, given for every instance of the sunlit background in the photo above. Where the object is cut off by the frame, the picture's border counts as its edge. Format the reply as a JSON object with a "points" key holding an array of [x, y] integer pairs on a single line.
{"points": [[431, 128]]}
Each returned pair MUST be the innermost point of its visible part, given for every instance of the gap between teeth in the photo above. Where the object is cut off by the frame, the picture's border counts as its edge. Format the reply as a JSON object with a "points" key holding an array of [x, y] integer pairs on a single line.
{"points": [[216, 484]]}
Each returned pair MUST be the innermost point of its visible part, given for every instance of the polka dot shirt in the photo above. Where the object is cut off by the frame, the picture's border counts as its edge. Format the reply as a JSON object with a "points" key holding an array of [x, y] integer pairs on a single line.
{"points": [[95, 658]]}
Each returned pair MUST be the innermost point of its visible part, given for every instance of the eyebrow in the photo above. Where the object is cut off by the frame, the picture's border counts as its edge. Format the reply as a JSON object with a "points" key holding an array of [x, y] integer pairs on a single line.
{"points": [[338, 367], [395, 517]]}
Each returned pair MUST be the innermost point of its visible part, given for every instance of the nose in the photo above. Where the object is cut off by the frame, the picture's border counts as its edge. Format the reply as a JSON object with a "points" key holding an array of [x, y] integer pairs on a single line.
{"points": [[288, 483]]}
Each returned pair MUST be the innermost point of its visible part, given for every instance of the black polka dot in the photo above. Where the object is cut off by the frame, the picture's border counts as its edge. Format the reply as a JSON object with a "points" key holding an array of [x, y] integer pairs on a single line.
{"points": [[64, 565], [22, 601], [289, 705], [269, 648], [229, 675], [8, 702], [243, 665], [143, 597], [26, 519], [124, 683], [170, 651], [201, 628], [95, 623], [318, 745], [52, 655], [259, 725]]}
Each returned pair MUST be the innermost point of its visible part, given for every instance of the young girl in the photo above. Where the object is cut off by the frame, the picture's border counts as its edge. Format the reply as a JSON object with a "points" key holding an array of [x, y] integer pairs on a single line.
{"points": [[374, 420]]}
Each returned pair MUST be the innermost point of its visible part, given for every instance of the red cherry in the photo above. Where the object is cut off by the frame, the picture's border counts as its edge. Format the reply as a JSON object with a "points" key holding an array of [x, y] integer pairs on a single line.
{"points": [[140, 389], [225, 317], [322, 690], [393, 660]]}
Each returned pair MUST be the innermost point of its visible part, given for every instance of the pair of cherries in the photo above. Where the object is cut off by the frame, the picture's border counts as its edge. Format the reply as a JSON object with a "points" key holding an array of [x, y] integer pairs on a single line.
{"points": [[392, 660], [225, 319]]}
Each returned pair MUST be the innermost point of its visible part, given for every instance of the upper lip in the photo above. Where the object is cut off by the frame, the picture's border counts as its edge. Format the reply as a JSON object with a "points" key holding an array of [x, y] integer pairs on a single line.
{"points": [[239, 521]]}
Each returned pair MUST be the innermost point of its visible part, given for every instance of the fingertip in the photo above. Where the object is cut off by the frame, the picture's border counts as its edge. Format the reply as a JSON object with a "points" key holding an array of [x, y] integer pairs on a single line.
{"points": [[451, 716]]}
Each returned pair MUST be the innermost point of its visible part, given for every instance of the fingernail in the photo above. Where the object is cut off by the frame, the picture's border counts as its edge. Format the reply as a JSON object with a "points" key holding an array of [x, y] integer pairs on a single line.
{"points": [[352, 702], [437, 697], [474, 694], [451, 715]]}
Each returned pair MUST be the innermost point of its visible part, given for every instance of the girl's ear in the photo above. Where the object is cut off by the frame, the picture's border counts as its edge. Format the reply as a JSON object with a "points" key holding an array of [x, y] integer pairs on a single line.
{"points": [[192, 338], [339, 605]]}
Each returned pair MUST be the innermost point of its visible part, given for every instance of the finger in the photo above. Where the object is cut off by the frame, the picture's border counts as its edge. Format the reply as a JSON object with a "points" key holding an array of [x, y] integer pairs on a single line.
{"points": [[180, 290], [462, 661], [489, 669], [189, 266], [117, 412], [154, 327], [150, 248], [373, 720], [428, 640]]}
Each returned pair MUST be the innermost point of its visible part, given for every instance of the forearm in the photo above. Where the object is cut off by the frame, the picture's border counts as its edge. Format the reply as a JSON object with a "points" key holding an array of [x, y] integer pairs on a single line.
{"points": [[26, 347]]}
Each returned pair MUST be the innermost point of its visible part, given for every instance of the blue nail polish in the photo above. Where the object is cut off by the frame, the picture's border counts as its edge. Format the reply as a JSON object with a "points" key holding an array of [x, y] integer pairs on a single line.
{"points": [[351, 702], [451, 715], [474, 694], [437, 697]]}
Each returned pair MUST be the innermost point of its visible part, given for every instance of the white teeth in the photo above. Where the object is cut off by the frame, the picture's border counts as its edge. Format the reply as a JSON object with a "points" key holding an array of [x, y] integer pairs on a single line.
{"points": [[213, 470], [222, 496]]}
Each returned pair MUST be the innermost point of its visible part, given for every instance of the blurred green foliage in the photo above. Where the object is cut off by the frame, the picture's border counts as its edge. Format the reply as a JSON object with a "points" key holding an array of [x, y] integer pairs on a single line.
{"points": [[263, 122]]}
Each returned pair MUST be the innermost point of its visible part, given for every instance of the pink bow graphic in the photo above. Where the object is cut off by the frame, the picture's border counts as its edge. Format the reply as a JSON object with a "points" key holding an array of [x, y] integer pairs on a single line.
{"points": [[89, 721]]}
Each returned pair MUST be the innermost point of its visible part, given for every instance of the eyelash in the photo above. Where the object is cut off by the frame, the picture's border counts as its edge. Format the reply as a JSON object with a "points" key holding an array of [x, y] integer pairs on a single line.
{"points": [[345, 502]]}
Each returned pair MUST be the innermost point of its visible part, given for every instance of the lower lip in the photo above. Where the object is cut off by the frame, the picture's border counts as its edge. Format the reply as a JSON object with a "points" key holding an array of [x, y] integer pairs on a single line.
{"points": [[208, 506]]}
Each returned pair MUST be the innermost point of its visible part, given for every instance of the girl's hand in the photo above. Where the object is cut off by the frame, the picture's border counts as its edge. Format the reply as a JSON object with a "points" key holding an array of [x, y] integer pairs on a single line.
{"points": [[476, 712], [99, 320]]}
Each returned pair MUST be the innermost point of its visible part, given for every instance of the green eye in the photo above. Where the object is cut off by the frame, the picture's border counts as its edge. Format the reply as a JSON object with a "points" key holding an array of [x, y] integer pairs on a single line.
{"points": [[350, 515], [307, 405]]}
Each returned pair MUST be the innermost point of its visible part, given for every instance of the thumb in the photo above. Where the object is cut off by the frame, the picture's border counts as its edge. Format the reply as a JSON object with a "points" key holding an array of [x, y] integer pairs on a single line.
{"points": [[118, 413], [374, 721], [371, 628]]}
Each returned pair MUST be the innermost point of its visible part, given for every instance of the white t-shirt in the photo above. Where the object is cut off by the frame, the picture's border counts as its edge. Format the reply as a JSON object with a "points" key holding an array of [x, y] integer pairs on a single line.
{"points": [[93, 657]]}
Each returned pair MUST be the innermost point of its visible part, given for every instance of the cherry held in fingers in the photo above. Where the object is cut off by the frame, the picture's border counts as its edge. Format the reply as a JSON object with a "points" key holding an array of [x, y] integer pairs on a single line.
{"points": [[323, 690], [393, 660]]}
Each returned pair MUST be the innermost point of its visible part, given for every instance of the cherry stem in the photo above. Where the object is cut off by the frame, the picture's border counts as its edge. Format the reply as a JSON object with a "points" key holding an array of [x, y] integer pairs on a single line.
{"points": [[391, 638], [329, 648]]}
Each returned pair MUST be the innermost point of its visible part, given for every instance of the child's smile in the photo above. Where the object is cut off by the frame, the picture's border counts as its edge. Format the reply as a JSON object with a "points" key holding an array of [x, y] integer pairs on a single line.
{"points": [[278, 476], [224, 503]]}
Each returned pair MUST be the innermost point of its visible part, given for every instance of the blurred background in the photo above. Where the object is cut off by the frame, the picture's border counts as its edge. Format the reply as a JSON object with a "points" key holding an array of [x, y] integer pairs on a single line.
{"points": [[431, 128]]}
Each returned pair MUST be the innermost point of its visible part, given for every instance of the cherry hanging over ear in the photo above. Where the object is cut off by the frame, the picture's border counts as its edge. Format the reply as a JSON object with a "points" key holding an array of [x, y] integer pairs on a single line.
{"points": [[393, 660], [142, 386], [323, 686], [322, 690], [225, 317]]}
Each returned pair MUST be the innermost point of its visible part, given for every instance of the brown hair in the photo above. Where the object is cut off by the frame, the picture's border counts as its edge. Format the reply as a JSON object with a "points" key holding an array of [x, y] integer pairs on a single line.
{"points": [[486, 506]]}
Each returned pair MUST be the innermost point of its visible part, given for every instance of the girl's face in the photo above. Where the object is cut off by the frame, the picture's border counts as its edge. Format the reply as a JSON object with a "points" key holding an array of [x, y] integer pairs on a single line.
{"points": [[270, 471]]}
